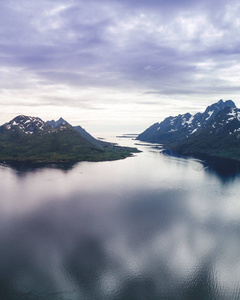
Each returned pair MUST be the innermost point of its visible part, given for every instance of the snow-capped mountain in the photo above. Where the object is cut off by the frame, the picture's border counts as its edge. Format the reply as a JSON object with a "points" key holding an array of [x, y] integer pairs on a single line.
{"points": [[178, 128], [30, 125], [227, 121], [26, 124], [220, 138], [214, 133]]}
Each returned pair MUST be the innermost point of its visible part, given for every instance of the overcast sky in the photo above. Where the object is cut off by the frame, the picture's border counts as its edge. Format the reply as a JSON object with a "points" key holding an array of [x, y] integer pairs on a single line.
{"points": [[117, 65]]}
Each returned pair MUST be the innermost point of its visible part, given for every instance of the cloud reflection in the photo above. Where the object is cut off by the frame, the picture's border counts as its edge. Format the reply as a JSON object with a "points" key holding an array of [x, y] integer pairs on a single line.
{"points": [[148, 227], [149, 245]]}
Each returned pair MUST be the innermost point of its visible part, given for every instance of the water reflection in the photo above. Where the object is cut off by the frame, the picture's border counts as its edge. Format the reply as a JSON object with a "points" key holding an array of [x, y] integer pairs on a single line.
{"points": [[225, 169], [147, 227], [23, 167]]}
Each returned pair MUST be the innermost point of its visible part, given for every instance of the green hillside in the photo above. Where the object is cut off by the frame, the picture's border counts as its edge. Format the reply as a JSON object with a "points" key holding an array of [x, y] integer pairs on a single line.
{"points": [[54, 145]]}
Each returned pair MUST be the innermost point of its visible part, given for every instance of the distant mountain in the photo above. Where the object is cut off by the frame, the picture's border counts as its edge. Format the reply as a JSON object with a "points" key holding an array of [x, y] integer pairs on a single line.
{"points": [[216, 132], [178, 128], [31, 139]]}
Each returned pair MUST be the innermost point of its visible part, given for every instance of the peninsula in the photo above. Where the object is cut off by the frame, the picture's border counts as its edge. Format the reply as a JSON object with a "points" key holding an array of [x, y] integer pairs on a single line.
{"points": [[31, 139]]}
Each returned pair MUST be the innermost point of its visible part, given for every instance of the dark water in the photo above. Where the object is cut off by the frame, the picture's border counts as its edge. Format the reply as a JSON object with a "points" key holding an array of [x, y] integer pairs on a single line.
{"points": [[147, 227]]}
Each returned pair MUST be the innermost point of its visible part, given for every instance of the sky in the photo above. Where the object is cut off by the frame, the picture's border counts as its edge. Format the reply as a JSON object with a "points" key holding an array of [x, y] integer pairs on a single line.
{"points": [[117, 65]]}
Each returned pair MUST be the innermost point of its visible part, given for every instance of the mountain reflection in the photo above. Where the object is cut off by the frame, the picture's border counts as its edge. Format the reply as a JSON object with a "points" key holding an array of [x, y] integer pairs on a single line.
{"points": [[24, 167], [225, 169]]}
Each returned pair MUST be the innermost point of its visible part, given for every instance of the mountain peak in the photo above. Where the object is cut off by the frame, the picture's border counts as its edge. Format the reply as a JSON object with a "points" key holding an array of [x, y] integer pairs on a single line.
{"points": [[221, 104], [61, 120], [26, 124], [56, 124], [212, 110], [230, 103]]}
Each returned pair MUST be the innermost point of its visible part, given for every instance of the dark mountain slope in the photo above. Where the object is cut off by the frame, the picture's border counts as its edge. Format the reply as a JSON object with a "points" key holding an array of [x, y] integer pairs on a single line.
{"points": [[220, 138], [83, 132]]}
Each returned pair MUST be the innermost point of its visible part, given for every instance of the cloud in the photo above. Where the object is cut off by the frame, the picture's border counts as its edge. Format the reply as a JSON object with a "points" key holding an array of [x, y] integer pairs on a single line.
{"points": [[174, 48]]}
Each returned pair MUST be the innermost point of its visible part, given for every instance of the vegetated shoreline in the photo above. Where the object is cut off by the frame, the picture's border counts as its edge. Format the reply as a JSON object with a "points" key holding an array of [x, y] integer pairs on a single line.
{"points": [[121, 153], [199, 155]]}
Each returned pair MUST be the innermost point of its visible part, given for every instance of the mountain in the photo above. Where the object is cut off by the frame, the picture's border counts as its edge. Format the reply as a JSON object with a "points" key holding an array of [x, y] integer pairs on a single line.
{"points": [[31, 139], [88, 136], [220, 138], [83, 132], [25, 124], [215, 132], [178, 128], [58, 123]]}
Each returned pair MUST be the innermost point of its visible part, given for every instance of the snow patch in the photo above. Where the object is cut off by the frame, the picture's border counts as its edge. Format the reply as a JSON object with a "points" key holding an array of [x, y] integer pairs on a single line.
{"points": [[172, 121], [184, 121], [172, 130], [235, 114], [190, 120], [209, 114], [232, 113], [196, 129]]}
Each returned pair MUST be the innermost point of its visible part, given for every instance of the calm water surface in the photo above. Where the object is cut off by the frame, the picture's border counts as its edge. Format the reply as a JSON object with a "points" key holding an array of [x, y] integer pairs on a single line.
{"points": [[147, 227]]}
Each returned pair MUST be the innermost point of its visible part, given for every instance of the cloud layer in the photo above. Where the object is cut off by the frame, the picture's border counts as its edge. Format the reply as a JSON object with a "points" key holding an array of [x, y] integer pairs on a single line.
{"points": [[139, 56]]}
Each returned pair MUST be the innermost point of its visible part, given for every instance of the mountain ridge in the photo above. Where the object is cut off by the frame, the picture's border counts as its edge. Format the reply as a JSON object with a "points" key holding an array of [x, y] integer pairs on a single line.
{"points": [[215, 132], [177, 128]]}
